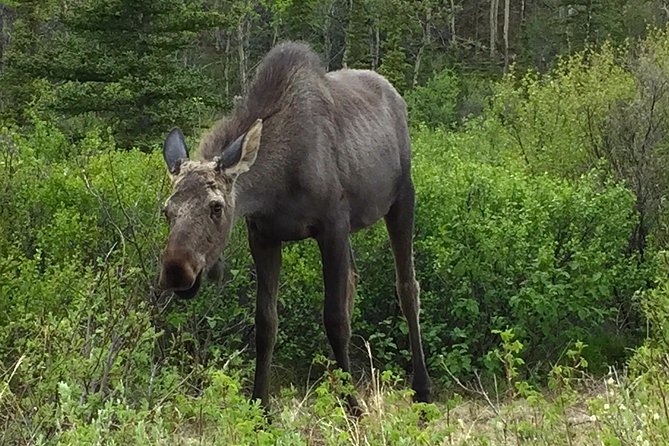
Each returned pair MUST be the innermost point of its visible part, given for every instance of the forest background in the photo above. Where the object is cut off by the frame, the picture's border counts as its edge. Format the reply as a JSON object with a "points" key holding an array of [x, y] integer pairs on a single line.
{"points": [[540, 138]]}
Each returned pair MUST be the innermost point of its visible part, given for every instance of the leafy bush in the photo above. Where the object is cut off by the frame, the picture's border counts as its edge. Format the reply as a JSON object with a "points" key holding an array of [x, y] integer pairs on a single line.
{"points": [[435, 104], [605, 108], [634, 409], [499, 248], [550, 121]]}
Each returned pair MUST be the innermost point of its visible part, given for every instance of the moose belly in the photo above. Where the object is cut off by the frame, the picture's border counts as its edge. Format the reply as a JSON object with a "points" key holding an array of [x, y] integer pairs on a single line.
{"points": [[284, 228], [366, 214]]}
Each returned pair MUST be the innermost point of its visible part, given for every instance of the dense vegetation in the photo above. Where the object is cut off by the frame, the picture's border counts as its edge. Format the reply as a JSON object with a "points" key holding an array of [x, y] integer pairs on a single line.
{"points": [[540, 157]]}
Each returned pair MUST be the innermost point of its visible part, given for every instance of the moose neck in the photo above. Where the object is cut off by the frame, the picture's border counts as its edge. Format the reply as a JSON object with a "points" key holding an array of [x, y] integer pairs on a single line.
{"points": [[248, 200]]}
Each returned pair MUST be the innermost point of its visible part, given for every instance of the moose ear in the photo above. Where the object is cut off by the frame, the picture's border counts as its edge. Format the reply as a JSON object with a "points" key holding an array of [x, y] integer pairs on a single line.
{"points": [[239, 156], [175, 151]]}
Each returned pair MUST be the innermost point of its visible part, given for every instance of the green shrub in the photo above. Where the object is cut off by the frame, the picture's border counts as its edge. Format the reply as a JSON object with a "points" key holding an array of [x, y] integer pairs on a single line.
{"points": [[551, 121], [499, 248], [436, 103], [634, 408], [603, 108]]}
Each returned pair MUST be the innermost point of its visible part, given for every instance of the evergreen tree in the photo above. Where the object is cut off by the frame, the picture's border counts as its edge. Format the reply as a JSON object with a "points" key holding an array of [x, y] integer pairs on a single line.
{"points": [[122, 62], [356, 53], [394, 66], [29, 33]]}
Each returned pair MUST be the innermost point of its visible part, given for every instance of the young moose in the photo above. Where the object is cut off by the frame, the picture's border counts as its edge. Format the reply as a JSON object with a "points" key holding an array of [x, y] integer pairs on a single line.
{"points": [[304, 154]]}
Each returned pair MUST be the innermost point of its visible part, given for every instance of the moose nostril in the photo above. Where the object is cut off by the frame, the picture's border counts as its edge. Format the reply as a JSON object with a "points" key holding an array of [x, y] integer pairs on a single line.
{"points": [[177, 275]]}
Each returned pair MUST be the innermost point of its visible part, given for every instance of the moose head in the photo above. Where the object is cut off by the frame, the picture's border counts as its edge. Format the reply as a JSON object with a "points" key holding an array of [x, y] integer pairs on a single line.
{"points": [[200, 211]]}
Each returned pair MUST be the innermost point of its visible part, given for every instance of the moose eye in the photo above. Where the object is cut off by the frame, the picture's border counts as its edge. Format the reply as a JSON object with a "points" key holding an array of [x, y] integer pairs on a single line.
{"points": [[216, 209]]}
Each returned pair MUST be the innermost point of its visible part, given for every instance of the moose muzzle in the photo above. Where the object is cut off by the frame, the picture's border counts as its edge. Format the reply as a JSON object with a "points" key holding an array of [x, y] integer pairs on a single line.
{"points": [[181, 272]]}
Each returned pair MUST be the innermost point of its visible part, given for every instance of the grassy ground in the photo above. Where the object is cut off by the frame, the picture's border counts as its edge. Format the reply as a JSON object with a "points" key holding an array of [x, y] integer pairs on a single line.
{"points": [[578, 411], [628, 408]]}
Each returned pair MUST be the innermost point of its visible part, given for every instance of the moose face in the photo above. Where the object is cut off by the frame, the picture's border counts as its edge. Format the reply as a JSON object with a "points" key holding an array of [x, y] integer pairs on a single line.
{"points": [[200, 210]]}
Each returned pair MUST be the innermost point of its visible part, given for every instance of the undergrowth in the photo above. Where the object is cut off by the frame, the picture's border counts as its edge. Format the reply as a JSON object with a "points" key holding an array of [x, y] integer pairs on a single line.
{"points": [[573, 409]]}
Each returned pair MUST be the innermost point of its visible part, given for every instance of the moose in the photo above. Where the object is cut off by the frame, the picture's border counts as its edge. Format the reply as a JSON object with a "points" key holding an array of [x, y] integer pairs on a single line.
{"points": [[304, 154]]}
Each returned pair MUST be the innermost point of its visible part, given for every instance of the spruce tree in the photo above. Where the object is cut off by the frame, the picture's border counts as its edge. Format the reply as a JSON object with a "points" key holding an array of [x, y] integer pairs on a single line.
{"points": [[394, 62], [122, 62], [357, 54]]}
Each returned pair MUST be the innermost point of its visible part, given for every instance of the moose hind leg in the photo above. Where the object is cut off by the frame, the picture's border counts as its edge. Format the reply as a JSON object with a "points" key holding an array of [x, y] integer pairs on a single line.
{"points": [[267, 258], [399, 222], [338, 277], [352, 282]]}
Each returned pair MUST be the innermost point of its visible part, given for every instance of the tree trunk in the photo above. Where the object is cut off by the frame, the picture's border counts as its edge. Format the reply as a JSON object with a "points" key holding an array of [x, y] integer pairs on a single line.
{"points": [[374, 38], [427, 30], [493, 29], [588, 26], [416, 68], [506, 35], [275, 35], [476, 27], [226, 66], [327, 38], [3, 14], [242, 43], [453, 22], [276, 24], [347, 44], [218, 33]]}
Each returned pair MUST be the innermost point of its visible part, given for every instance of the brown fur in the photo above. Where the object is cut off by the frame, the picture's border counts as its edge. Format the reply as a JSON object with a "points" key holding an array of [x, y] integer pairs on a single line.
{"points": [[333, 157]]}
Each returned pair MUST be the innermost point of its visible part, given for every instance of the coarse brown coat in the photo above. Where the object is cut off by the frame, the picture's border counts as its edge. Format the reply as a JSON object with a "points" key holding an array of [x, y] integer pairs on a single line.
{"points": [[305, 154]]}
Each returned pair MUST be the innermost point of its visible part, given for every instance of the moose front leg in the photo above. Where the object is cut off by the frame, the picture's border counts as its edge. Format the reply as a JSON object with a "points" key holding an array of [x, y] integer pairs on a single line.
{"points": [[337, 267], [266, 255]]}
